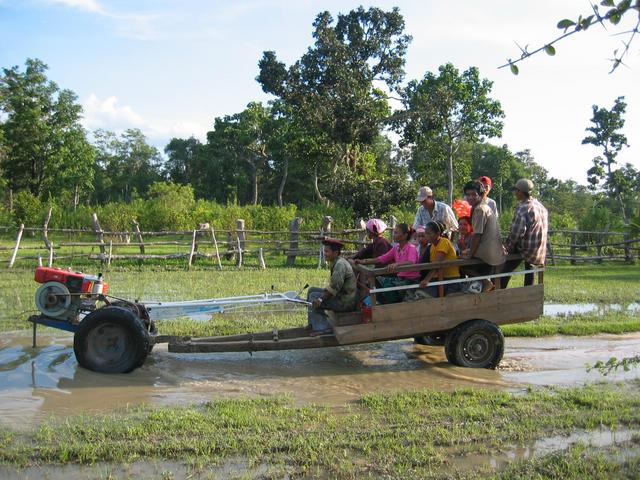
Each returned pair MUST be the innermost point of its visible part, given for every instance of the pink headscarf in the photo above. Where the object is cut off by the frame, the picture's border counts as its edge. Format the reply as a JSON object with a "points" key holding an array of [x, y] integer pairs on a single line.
{"points": [[376, 226], [420, 229]]}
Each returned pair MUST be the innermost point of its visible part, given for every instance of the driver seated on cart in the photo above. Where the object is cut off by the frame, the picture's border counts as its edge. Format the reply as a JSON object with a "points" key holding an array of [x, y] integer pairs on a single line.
{"points": [[340, 293]]}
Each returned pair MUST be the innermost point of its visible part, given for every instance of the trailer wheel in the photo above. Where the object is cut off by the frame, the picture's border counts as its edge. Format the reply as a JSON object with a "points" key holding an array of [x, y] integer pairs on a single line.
{"points": [[475, 344], [431, 340], [111, 340]]}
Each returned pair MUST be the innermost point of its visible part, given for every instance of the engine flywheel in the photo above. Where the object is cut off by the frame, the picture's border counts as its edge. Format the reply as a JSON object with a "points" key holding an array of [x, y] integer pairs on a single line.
{"points": [[53, 299]]}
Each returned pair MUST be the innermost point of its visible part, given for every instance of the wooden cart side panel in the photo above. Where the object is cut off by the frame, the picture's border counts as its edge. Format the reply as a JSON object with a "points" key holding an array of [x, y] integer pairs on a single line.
{"points": [[407, 319]]}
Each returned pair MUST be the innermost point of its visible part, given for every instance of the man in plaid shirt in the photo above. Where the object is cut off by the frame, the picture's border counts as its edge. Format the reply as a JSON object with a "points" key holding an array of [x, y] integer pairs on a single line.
{"points": [[528, 234]]}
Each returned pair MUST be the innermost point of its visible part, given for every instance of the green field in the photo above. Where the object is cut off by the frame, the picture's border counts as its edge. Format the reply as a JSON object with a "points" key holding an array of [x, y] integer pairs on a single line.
{"points": [[403, 435], [605, 284], [420, 434]]}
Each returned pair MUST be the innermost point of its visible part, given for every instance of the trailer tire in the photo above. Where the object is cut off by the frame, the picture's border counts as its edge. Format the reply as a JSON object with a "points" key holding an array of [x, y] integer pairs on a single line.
{"points": [[438, 340], [475, 344], [111, 340]]}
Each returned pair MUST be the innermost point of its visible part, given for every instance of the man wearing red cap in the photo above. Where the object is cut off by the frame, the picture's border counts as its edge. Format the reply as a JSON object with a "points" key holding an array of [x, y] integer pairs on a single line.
{"points": [[340, 293], [488, 185]]}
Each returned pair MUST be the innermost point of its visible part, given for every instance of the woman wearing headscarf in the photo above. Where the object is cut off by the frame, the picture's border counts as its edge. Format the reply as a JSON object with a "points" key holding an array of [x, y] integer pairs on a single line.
{"points": [[379, 245]]}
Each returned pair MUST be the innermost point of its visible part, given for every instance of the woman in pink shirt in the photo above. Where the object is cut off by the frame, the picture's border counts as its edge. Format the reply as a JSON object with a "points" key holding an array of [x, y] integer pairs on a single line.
{"points": [[402, 253]]}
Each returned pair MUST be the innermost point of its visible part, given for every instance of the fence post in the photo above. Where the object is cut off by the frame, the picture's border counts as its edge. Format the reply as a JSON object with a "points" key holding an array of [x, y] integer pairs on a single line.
{"points": [[294, 228], [45, 236], [550, 249], [393, 221], [136, 230], [628, 256], [99, 234], [362, 236], [15, 249], [193, 248], [215, 246], [110, 252], [45, 226], [599, 242], [239, 256], [261, 259], [50, 264], [574, 241], [241, 236], [326, 228]]}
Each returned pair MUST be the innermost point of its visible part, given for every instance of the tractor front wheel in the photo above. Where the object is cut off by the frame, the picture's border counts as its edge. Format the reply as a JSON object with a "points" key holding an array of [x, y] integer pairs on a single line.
{"points": [[111, 340]]}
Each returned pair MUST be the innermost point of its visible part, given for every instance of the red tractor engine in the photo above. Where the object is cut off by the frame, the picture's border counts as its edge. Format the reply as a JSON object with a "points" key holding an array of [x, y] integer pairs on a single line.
{"points": [[63, 292]]}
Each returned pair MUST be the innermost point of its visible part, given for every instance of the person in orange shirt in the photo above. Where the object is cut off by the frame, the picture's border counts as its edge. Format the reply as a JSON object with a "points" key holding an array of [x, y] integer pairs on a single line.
{"points": [[440, 251]]}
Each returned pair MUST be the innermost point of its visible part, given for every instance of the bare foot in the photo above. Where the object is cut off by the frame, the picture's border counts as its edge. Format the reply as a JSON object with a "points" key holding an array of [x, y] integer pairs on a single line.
{"points": [[487, 286]]}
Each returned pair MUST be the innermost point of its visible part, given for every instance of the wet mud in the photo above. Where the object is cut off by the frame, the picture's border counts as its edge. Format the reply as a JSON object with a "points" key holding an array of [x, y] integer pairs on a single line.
{"points": [[36, 383]]}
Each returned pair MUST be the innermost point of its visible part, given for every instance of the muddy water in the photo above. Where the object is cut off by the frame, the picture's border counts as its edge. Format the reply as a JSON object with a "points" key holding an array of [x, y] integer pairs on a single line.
{"points": [[556, 309], [47, 380], [599, 438]]}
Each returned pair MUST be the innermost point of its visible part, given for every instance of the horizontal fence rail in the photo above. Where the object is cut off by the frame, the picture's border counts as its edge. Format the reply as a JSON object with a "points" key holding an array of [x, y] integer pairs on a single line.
{"points": [[234, 246]]}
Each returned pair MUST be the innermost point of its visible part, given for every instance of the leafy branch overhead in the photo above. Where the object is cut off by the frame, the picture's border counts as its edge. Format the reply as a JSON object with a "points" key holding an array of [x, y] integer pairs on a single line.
{"points": [[613, 14]]}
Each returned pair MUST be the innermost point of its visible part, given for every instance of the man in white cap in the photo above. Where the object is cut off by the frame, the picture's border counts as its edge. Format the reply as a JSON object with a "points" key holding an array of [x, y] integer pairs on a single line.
{"points": [[528, 234], [432, 211]]}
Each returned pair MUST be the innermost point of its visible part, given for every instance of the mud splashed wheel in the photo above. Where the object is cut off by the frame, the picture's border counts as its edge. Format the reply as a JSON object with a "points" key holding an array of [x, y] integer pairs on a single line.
{"points": [[111, 340], [475, 344]]}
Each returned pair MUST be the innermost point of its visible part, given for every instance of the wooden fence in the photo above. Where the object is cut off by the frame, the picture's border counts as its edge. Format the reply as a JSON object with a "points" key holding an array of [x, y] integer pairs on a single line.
{"points": [[235, 246]]}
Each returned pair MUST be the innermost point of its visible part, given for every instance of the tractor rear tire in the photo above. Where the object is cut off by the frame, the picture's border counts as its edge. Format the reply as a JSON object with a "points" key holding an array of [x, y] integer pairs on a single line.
{"points": [[111, 340], [475, 344]]}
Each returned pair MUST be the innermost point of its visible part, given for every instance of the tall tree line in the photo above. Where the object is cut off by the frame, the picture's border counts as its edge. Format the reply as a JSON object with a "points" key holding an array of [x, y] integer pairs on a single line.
{"points": [[322, 138]]}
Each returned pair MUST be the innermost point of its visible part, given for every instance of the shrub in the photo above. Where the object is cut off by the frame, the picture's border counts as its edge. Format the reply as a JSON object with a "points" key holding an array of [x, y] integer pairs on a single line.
{"points": [[27, 208]]}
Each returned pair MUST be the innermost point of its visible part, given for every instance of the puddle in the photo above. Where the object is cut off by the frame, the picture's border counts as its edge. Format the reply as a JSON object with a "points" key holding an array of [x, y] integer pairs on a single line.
{"points": [[230, 468], [497, 461], [47, 380], [557, 309]]}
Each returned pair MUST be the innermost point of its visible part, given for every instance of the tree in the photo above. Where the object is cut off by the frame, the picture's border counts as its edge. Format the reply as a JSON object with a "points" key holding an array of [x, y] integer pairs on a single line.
{"points": [[182, 159], [335, 89], [502, 166], [606, 135], [44, 147], [613, 14], [443, 111], [126, 166], [241, 138]]}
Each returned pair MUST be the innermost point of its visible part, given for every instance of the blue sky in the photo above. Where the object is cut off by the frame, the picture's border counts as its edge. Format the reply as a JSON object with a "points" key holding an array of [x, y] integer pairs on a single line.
{"points": [[170, 67]]}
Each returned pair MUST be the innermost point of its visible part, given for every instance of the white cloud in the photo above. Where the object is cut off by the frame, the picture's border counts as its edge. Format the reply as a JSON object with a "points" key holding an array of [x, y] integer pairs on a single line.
{"points": [[89, 5], [130, 25], [109, 114]]}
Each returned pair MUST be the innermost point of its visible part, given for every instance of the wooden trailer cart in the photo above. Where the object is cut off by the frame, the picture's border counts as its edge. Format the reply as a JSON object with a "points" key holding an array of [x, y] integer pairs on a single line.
{"points": [[116, 335]]}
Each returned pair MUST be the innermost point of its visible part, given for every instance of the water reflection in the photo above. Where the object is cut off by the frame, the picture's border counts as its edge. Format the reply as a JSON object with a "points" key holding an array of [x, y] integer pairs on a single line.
{"points": [[557, 309]]}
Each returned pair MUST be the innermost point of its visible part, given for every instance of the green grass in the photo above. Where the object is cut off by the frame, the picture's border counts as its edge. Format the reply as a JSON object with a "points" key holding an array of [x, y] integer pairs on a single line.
{"points": [[17, 289], [578, 324], [605, 283], [406, 435]]}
